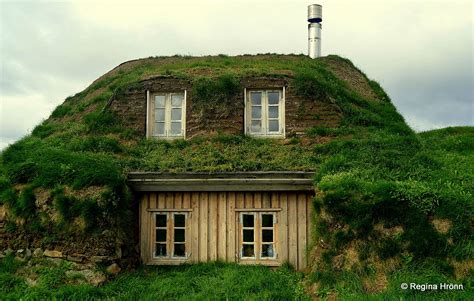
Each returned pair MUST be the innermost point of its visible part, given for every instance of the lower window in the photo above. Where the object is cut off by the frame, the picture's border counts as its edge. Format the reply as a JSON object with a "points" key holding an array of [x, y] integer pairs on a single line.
{"points": [[170, 235], [257, 235]]}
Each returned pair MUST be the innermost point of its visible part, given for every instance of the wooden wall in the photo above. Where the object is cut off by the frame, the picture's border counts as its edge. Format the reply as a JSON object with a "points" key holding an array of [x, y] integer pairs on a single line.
{"points": [[213, 218]]}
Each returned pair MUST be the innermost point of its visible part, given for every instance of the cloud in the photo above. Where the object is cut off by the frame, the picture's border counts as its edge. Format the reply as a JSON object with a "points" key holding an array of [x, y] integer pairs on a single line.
{"points": [[420, 51]]}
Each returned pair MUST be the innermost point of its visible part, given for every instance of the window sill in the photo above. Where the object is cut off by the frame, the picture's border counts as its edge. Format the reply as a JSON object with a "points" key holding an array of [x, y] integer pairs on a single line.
{"points": [[167, 261], [267, 262]]}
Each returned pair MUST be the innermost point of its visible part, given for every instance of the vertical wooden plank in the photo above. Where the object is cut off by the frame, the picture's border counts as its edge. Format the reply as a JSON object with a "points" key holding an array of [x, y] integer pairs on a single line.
{"points": [[222, 226], [187, 200], [178, 200], [240, 200], [293, 230], [283, 227], [309, 223], [203, 225], [160, 200], [169, 200], [195, 226], [231, 237], [275, 200], [213, 226], [266, 200], [143, 228], [152, 201], [301, 231], [257, 199], [248, 200]]}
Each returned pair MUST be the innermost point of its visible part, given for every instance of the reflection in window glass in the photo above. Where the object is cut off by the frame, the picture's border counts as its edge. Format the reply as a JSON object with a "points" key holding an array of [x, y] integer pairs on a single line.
{"points": [[160, 115], [248, 251], [273, 126], [256, 98], [267, 250], [177, 100], [159, 101], [256, 126], [273, 98], [273, 112], [160, 250], [256, 112], [175, 128], [176, 114], [159, 128]]}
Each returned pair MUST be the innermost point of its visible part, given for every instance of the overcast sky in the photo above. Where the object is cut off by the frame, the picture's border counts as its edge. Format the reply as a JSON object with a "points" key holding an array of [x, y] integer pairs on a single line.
{"points": [[420, 51]]}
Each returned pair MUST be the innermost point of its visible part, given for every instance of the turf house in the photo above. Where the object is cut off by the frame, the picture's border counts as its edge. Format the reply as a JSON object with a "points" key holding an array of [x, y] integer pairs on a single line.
{"points": [[265, 159]]}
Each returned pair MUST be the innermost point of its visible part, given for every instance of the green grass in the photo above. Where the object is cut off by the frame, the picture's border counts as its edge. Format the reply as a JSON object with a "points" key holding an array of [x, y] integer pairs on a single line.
{"points": [[211, 281]]}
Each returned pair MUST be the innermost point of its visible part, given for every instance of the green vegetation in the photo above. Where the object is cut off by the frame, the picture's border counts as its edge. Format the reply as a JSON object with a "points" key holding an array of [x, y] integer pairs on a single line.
{"points": [[391, 206], [216, 281]]}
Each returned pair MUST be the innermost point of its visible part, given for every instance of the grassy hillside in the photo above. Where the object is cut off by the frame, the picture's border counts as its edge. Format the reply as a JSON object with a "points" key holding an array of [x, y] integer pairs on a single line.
{"points": [[392, 206]]}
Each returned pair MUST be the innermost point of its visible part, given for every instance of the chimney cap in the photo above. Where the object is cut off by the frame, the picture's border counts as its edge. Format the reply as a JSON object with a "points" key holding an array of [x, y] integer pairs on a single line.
{"points": [[315, 13]]}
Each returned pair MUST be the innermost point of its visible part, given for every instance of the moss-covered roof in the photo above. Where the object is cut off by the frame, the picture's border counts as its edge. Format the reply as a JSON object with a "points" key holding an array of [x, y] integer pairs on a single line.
{"points": [[372, 169]]}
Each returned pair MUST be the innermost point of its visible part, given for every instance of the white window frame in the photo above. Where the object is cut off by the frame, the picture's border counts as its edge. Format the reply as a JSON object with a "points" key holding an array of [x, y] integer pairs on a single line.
{"points": [[264, 113], [170, 236], [150, 116], [258, 236]]}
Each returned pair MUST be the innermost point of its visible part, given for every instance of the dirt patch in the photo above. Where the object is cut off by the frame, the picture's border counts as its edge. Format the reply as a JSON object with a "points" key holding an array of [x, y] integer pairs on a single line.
{"points": [[442, 225], [355, 79], [463, 268], [376, 284]]}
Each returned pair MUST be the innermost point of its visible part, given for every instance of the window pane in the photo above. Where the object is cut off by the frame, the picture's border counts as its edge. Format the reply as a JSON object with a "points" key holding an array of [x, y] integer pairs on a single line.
{"points": [[176, 114], [179, 235], [160, 115], [273, 98], [256, 98], [248, 220], [248, 236], [179, 220], [256, 112], [248, 251], [256, 126], [273, 126], [177, 100], [273, 112], [159, 101], [159, 128], [179, 250], [161, 220], [175, 128], [267, 250], [160, 250], [160, 235], [267, 235], [267, 220]]}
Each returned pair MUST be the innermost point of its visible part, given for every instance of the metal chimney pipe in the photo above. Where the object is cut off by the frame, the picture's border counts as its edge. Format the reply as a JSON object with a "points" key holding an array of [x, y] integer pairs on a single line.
{"points": [[315, 16]]}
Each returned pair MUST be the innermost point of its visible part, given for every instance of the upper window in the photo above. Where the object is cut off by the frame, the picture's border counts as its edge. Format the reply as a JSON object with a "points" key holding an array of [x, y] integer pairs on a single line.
{"points": [[170, 235], [265, 113], [166, 116]]}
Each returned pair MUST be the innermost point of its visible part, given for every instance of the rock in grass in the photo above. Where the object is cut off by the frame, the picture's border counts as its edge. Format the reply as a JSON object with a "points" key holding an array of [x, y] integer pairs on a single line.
{"points": [[53, 254], [38, 252], [113, 269]]}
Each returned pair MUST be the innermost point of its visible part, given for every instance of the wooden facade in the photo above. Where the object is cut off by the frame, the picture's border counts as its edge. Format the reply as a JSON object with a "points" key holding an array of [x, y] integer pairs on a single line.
{"points": [[214, 227]]}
